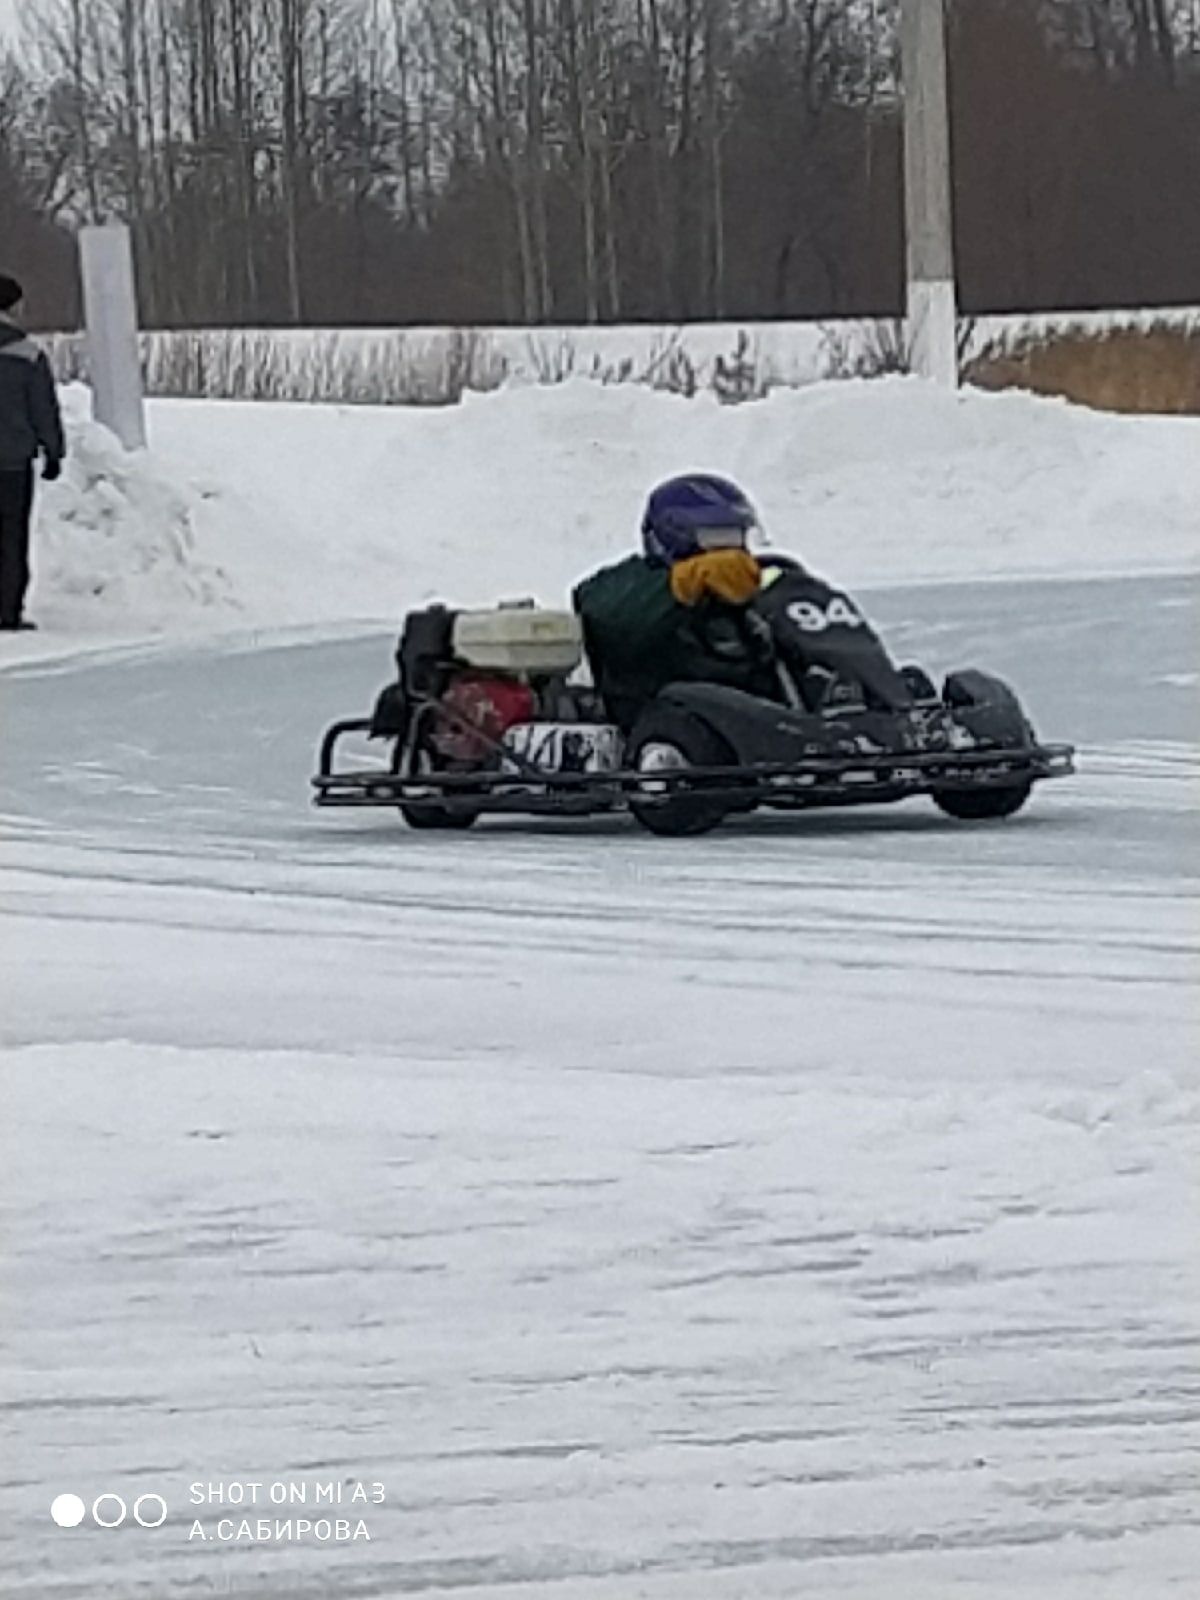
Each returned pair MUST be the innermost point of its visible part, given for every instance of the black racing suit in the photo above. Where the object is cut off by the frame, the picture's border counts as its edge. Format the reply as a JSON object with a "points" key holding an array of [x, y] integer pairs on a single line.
{"points": [[639, 638]]}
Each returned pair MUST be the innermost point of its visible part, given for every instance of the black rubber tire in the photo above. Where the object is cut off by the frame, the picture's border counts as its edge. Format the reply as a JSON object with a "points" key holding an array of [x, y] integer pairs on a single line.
{"points": [[429, 816], [686, 816], [983, 804], [426, 815]]}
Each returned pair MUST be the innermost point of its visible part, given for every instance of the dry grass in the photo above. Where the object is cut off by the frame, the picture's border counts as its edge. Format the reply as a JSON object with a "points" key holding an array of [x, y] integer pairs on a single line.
{"points": [[1150, 366], [1148, 371]]}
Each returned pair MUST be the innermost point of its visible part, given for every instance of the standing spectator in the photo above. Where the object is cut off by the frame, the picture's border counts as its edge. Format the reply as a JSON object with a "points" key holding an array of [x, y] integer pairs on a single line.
{"points": [[30, 424]]}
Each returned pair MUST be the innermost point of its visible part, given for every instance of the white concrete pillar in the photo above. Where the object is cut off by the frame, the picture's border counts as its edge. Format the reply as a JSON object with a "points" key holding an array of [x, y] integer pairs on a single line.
{"points": [[928, 193], [110, 314]]}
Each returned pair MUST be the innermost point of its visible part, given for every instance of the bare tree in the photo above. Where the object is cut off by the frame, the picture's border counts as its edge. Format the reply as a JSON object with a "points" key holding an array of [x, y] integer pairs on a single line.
{"points": [[483, 160]]}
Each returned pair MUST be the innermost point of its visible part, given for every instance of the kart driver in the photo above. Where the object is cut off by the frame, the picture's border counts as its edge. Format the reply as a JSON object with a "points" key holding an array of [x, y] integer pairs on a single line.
{"points": [[679, 611]]}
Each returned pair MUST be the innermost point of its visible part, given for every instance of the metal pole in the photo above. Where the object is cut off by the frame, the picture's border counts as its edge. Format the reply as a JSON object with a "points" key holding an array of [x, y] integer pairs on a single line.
{"points": [[928, 193], [110, 313]]}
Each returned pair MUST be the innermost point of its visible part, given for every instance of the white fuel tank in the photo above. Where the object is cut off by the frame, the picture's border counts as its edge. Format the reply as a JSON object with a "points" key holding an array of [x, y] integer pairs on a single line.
{"points": [[519, 638]]}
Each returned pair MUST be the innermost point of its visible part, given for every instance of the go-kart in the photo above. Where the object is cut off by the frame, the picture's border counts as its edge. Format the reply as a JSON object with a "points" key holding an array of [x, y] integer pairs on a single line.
{"points": [[488, 715]]}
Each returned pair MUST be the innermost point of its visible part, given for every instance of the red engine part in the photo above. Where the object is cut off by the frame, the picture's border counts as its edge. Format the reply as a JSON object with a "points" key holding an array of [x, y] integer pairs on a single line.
{"points": [[490, 705]]}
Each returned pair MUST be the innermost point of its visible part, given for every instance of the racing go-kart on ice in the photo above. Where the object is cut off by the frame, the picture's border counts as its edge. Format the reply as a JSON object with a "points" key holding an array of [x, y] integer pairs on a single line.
{"points": [[487, 716]]}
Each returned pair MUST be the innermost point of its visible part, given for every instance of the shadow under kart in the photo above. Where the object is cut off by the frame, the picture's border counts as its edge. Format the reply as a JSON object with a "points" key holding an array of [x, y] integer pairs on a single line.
{"points": [[484, 719]]}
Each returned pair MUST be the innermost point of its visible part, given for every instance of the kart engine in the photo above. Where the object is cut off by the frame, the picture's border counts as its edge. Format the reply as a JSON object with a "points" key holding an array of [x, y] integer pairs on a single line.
{"points": [[499, 677], [476, 712]]}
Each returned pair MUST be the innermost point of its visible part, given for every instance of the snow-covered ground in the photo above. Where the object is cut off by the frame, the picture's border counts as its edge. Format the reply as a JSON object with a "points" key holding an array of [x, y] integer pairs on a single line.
{"points": [[808, 1210], [257, 516]]}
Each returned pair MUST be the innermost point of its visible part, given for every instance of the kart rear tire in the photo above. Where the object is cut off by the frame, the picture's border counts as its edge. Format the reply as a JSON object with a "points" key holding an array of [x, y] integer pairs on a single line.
{"points": [[688, 815], [427, 815], [983, 804]]}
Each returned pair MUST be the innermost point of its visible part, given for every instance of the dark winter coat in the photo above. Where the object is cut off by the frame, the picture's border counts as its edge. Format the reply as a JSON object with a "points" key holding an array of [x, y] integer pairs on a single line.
{"points": [[639, 639], [30, 422]]}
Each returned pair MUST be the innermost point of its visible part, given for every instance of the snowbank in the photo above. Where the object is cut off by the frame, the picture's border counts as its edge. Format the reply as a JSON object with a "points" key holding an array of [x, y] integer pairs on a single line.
{"points": [[115, 543], [271, 516]]}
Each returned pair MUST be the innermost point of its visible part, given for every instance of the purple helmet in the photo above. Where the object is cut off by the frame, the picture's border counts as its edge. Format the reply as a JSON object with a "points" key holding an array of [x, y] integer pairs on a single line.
{"points": [[698, 512]]}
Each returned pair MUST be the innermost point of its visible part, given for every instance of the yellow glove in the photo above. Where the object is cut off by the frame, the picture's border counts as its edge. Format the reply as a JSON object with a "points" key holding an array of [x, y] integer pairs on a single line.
{"points": [[729, 575]]}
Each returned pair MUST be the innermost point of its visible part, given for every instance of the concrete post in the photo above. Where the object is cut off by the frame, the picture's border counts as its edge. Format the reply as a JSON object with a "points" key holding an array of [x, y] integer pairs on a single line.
{"points": [[928, 193], [110, 313]]}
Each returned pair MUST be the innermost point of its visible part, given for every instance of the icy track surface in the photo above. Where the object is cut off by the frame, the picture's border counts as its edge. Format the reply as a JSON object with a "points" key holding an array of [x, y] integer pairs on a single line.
{"points": [[809, 1210]]}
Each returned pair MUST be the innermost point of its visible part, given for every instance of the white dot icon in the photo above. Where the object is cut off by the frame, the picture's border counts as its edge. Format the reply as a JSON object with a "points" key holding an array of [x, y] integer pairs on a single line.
{"points": [[119, 1506], [67, 1510], [145, 1500]]}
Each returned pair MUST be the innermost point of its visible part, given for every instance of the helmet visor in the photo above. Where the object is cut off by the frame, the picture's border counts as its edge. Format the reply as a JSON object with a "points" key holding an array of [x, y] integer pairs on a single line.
{"points": [[723, 538]]}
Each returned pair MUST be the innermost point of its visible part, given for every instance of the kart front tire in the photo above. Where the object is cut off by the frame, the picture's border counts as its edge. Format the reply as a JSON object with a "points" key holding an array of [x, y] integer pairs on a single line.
{"points": [[984, 804], [667, 740]]}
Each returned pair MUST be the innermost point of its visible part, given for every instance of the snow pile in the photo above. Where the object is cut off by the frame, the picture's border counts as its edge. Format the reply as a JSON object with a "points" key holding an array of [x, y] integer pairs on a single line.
{"points": [[286, 515], [898, 482], [115, 538]]}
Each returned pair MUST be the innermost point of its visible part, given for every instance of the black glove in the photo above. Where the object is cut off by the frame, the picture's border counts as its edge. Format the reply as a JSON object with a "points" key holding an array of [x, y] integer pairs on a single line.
{"points": [[52, 469]]}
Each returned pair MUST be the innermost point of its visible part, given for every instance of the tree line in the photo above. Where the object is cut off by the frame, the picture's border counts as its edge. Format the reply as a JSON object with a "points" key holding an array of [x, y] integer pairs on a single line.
{"points": [[492, 161]]}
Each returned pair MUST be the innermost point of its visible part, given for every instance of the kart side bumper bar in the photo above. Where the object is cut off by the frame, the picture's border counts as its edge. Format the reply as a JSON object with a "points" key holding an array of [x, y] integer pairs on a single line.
{"points": [[816, 780]]}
